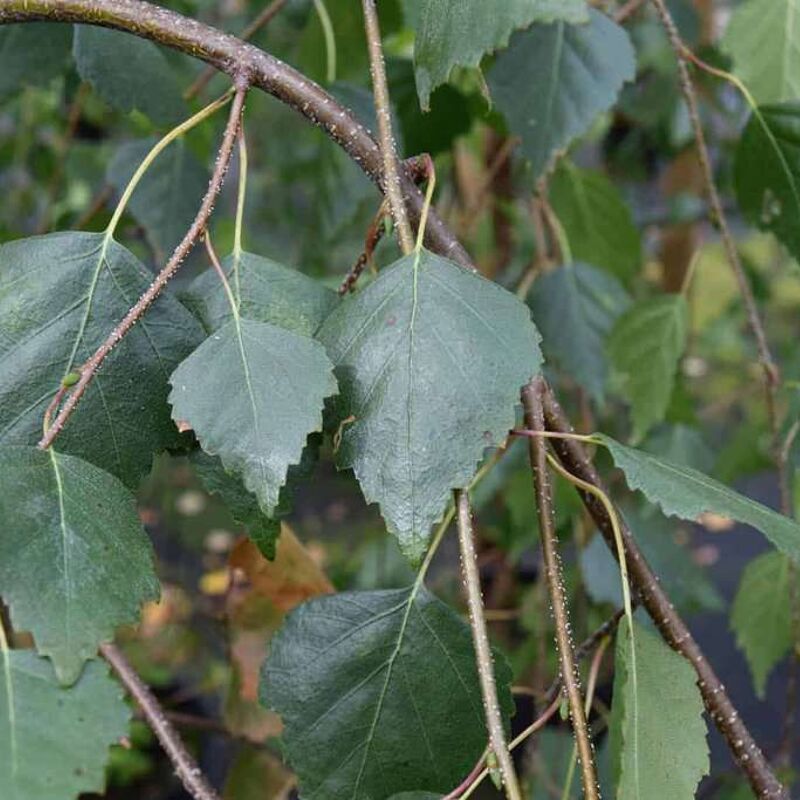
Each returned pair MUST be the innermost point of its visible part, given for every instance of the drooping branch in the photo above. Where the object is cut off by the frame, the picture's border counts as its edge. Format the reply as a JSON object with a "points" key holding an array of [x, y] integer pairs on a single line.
{"points": [[534, 419], [673, 629], [235, 58], [483, 652], [380, 90], [185, 766], [90, 368], [263, 19]]}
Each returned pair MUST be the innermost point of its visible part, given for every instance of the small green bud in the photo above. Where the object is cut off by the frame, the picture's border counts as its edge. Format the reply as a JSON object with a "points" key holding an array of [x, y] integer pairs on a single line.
{"points": [[70, 379]]}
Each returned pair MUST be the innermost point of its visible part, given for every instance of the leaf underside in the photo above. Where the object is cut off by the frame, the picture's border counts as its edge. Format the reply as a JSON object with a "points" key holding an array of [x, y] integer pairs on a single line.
{"points": [[430, 361]]}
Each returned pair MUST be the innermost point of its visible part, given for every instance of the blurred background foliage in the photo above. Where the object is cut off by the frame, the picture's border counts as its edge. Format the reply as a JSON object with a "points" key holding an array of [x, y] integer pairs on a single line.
{"points": [[629, 202]]}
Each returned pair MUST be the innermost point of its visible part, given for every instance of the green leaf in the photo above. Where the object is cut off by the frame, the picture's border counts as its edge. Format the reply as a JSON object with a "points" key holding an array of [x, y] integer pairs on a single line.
{"points": [[686, 493], [657, 720], [54, 742], [761, 616], [450, 34], [596, 220], [363, 718], [681, 444], [430, 360], [645, 347], [575, 307], [166, 200], [129, 72], [60, 297], [767, 172], [266, 291], [253, 392], [772, 72], [416, 796], [74, 560], [32, 55], [242, 504], [554, 80]]}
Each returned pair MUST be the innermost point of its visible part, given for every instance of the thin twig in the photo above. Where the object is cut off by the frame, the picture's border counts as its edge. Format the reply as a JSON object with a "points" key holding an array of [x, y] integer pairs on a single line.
{"points": [[673, 629], [248, 33], [391, 177], [483, 651], [374, 235], [481, 194], [90, 368], [95, 207], [589, 645], [534, 419], [185, 766], [624, 13], [591, 685], [768, 365], [62, 151], [772, 377]]}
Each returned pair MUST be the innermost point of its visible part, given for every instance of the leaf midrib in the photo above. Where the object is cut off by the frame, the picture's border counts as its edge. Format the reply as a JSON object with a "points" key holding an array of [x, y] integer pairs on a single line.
{"points": [[65, 561]]}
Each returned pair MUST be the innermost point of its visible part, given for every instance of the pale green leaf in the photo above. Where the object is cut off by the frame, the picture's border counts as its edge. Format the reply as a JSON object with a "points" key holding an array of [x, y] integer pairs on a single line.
{"points": [[554, 80], [60, 297], [763, 39], [129, 72], [32, 55], [645, 347], [430, 360], [363, 718], [74, 560], [266, 291], [596, 220], [166, 200], [761, 616], [252, 393], [767, 172], [54, 742], [686, 493], [575, 308], [452, 33], [659, 730]]}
